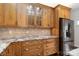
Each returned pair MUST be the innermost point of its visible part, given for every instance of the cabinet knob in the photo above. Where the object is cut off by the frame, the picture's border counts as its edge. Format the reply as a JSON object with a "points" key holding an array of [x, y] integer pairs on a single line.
{"points": [[39, 54], [26, 49], [27, 43]]}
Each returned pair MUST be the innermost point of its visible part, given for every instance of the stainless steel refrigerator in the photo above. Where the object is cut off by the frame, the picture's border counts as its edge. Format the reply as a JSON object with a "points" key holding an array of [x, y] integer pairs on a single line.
{"points": [[66, 35]]}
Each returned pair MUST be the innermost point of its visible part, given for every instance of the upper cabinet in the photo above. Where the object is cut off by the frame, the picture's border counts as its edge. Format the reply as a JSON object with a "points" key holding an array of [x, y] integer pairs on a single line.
{"points": [[25, 15], [9, 14], [60, 11], [34, 15], [1, 15], [47, 18], [22, 19], [31, 15], [63, 11]]}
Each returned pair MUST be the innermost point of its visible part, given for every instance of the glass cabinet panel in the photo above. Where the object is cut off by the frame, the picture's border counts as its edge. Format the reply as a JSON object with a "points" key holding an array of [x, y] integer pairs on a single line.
{"points": [[38, 16], [34, 13], [31, 14]]}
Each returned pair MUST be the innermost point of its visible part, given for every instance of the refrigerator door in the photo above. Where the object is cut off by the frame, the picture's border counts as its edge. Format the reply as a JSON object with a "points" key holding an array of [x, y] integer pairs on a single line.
{"points": [[66, 31], [67, 47]]}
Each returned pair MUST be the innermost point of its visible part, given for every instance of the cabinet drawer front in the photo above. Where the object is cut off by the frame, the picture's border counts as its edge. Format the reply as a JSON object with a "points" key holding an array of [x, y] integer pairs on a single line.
{"points": [[32, 42], [49, 45], [50, 51], [36, 52], [29, 48]]}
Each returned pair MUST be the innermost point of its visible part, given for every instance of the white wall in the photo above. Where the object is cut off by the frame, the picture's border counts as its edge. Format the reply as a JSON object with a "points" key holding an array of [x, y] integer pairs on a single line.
{"points": [[75, 17]]}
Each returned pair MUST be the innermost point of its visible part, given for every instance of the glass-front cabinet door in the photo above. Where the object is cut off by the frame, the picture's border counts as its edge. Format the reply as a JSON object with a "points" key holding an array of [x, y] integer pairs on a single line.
{"points": [[34, 13], [39, 14], [31, 14]]}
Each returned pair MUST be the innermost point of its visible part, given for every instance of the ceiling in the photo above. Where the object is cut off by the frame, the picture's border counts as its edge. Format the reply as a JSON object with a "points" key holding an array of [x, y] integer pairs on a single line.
{"points": [[55, 4], [74, 6]]}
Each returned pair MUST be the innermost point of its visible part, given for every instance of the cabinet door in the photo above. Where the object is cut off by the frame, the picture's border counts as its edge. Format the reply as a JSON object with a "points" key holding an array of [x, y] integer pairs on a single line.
{"points": [[64, 12], [31, 14], [38, 15], [67, 13], [22, 15], [44, 19], [1, 14], [50, 47], [61, 11], [47, 18], [10, 14], [51, 17]]}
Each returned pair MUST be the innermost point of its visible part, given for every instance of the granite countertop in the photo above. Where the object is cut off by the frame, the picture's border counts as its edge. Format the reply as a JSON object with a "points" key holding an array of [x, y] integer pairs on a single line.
{"points": [[4, 43]]}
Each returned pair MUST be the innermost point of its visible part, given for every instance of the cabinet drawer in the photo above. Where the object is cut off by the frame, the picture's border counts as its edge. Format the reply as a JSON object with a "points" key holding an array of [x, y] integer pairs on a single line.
{"points": [[28, 48], [49, 51], [32, 42], [35, 52], [49, 45]]}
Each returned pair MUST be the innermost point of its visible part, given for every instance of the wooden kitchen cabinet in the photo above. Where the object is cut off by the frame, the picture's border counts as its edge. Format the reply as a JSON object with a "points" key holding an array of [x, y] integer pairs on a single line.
{"points": [[14, 49], [50, 47], [63, 11], [31, 48], [26, 15], [67, 13], [60, 12], [10, 14], [22, 18], [1, 14], [9, 51], [48, 15], [34, 15]]}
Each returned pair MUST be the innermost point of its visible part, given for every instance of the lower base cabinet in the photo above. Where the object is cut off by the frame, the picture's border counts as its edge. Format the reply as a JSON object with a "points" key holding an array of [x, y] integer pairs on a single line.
{"points": [[31, 48], [14, 49]]}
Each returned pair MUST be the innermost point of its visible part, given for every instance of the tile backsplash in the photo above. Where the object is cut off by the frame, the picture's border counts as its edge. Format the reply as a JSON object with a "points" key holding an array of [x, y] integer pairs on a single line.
{"points": [[15, 32]]}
